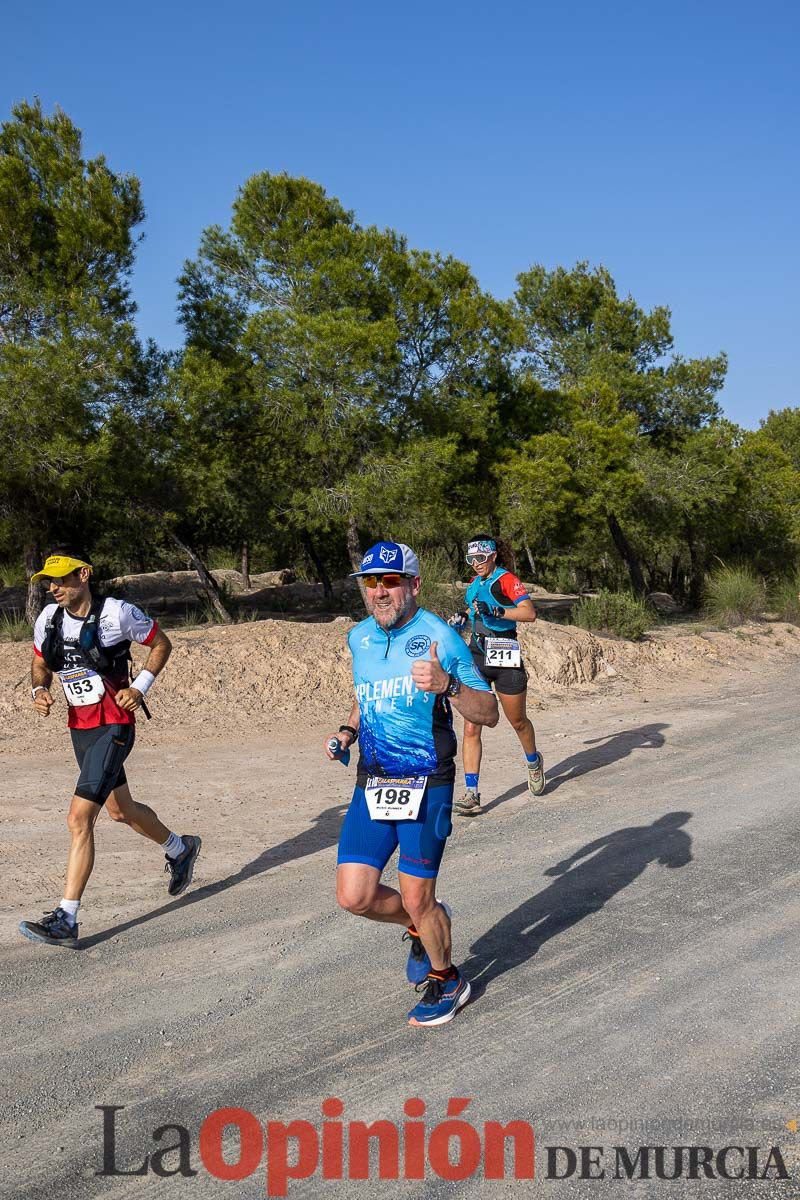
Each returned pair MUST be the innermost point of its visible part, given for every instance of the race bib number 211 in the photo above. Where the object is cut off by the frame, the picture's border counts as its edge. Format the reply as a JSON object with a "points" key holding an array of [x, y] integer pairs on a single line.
{"points": [[502, 652]]}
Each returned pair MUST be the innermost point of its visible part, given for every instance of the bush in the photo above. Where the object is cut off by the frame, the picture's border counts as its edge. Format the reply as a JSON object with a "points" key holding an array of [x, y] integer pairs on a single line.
{"points": [[438, 592], [615, 612], [14, 628], [733, 595], [12, 573], [784, 600]]}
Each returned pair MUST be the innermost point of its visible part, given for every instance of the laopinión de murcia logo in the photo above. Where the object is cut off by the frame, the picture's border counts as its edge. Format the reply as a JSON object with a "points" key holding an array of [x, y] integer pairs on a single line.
{"points": [[232, 1144]]}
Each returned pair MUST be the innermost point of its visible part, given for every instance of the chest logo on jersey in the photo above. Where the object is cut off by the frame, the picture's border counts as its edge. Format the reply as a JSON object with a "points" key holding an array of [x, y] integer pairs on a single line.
{"points": [[417, 646]]}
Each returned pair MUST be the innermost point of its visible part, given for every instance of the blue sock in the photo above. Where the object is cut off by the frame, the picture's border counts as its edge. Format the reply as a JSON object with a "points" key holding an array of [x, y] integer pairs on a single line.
{"points": [[471, 782], [533, 758]]}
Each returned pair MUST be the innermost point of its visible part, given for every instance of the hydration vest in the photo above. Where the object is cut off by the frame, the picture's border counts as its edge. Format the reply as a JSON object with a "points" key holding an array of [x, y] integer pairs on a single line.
{"points": [[108, 661], [482, 627]]}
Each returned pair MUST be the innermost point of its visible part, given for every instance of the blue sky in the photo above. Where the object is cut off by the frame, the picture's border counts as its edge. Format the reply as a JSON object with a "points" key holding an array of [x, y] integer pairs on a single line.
{"points": [[660, 140]]}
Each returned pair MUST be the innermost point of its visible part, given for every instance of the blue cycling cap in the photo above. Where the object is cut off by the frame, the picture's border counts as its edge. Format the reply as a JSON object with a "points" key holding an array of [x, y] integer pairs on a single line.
{"points": [[384, 557]]}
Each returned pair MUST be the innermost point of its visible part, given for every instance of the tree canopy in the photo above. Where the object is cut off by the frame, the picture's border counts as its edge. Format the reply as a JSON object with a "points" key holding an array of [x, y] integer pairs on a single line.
{"points": [[336, 385]]}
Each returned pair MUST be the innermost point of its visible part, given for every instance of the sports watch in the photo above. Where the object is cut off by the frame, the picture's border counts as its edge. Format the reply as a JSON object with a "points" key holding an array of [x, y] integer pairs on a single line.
{"points": [[454, 686]]}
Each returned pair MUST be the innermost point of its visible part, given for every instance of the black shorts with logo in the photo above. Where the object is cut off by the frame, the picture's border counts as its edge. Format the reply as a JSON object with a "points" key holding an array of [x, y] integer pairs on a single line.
{"points": [[101, 753], [510, 681]]}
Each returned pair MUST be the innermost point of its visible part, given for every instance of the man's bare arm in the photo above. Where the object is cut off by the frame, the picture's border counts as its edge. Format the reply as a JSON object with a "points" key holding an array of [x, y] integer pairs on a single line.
{"points": [[478, 707], [41, 677], [345, 739], [160, 648]]}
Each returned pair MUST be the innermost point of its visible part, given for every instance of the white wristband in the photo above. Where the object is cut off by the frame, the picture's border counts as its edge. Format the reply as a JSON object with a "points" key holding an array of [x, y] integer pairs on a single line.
{"points": [[144, 681]]}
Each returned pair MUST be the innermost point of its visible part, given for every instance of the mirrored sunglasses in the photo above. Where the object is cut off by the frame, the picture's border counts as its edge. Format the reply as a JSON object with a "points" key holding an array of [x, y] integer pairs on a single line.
{"points": [[389, 580]]}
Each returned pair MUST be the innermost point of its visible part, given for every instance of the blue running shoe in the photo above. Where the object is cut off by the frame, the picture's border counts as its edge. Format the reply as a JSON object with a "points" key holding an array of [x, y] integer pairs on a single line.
{"points": [[440, 1001], [418, 963], [54, 929]]}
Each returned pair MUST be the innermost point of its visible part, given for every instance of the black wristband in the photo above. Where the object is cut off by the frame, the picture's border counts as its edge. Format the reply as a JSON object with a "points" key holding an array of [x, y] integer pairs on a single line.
{"points": [[348, 729]]}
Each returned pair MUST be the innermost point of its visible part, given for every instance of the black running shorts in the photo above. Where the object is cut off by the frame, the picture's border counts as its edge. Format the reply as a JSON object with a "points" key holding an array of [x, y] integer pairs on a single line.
{"points": [[510, 681], [100, 753]]}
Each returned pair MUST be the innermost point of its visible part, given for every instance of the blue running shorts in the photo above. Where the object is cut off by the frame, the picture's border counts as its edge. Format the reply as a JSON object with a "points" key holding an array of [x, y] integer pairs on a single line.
{"points": [[421, 842]]}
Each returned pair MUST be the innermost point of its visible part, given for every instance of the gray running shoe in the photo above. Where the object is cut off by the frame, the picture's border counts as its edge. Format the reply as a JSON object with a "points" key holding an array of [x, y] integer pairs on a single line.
{"points": [[54, 929], [181, 868], [536, 777], [469, 805]]}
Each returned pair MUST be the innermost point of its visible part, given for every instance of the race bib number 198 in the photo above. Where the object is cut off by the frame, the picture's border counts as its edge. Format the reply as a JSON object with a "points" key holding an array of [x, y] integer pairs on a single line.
{"points": [[394, 799], [502, 652], [82, 687]]}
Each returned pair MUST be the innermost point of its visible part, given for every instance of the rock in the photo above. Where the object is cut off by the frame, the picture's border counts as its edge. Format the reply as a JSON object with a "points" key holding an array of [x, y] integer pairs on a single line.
{"points": [[561, 654], [273, 578], [664, 604]]}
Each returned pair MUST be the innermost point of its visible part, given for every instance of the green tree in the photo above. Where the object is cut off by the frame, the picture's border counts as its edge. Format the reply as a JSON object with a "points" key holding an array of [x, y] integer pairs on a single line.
{"points": [[359, 361], [67, 344], [782, 426], [577, 327], [579, 333]]}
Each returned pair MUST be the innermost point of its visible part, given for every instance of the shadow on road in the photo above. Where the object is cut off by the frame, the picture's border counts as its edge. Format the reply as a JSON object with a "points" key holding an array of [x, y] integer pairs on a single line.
{"points": [[606, 750], [580, 889], [323, 833]]}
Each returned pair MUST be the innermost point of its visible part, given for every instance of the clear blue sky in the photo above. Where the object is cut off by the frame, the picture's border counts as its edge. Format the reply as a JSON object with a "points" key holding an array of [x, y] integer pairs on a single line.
{"points": [[660, 140]]}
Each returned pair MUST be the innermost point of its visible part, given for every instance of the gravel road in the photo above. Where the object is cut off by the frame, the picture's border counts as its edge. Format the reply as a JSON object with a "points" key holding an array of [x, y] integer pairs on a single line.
{"points": [[632, 941]]}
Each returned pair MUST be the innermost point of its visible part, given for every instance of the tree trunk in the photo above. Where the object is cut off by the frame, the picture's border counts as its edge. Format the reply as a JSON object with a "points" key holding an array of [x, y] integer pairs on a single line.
{"points": [[34, 601], [207, 580], [675, 588], [245, 566], [531, 562], [627, 555], [355, 555], [319, 567], [695, 574]]}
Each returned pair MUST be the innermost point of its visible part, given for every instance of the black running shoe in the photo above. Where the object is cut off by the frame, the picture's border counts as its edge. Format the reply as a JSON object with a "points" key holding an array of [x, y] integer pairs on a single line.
{"points": [[54, 929], [182, 867]]}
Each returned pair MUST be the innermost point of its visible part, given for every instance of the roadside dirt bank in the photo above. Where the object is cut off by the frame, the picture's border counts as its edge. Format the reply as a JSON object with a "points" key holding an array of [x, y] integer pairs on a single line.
{"points": [[280, 676]]}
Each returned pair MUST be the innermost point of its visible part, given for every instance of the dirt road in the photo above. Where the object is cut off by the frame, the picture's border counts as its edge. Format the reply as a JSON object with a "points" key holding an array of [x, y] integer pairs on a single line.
{"points": [[633, 943]]}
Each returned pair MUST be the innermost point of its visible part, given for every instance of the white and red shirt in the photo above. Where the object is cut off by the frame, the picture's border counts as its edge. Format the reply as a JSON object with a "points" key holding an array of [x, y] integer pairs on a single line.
{"points": [[119, 622]]}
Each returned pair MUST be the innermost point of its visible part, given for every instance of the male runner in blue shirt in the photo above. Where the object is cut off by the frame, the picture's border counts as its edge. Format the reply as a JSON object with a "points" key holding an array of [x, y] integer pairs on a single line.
{"points": [[410, 669]]}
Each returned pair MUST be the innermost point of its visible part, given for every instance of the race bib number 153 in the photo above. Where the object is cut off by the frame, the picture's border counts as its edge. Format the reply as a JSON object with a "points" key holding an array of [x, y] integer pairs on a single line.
{"points": [[82, 687]]}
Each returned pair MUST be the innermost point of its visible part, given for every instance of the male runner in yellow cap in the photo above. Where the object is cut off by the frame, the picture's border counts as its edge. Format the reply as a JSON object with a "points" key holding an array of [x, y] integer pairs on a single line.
{"points": [[85, 640]]}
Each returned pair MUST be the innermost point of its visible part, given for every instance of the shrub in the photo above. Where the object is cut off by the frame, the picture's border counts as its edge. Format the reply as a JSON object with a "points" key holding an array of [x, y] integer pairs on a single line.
{"points": [[12, 573], [438, 592], [784, 600], [615, 612], [733, 595], [14, 628]]}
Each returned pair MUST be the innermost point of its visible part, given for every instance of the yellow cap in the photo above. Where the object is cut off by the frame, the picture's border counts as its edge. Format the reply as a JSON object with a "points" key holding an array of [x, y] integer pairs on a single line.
{"points": [[57, 566]]}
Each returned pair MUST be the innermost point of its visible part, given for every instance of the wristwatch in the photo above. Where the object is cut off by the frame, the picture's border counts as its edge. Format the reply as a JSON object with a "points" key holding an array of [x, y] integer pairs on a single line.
{"points": [[40, 687], [454, 686]]}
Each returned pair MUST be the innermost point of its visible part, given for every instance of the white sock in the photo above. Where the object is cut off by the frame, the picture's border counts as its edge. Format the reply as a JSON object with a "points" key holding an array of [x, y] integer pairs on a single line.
{"points": [[173, 846], [71, 907]]}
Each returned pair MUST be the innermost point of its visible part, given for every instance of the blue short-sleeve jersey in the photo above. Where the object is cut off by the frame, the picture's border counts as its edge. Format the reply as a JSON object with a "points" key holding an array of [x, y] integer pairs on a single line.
{"points": [[402, 730]]}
